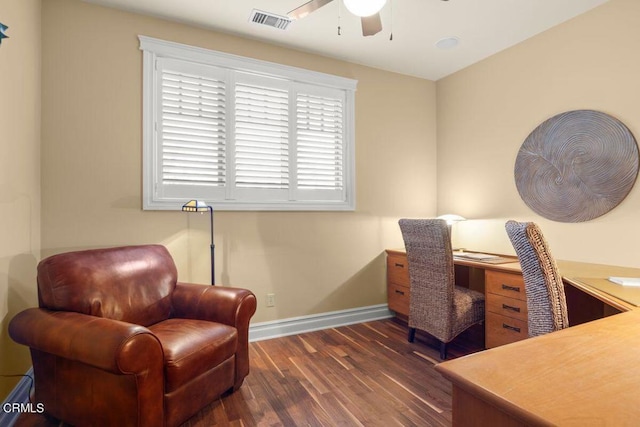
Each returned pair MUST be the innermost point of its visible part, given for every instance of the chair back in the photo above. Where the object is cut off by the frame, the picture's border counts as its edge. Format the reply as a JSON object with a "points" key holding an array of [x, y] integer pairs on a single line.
{"points": [[546, 302], [132, 284], [431, 274]]}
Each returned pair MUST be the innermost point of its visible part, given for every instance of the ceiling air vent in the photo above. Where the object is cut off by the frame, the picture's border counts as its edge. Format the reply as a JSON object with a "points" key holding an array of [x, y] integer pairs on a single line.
{"points": [[269, 19]]}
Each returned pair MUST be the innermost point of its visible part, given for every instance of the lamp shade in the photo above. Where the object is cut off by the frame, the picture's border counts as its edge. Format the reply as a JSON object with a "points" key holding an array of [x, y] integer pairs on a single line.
{"points": [[195, 206], [452, 218], [364, 7]]}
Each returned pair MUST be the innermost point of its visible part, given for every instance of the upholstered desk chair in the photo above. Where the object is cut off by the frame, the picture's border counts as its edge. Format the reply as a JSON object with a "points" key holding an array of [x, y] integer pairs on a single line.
{"points": [[546, 302], [118, 341], [437, 306]]}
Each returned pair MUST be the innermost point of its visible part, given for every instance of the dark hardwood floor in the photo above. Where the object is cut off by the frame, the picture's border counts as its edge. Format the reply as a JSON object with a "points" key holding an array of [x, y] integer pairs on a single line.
{"points": [[359, 375]]}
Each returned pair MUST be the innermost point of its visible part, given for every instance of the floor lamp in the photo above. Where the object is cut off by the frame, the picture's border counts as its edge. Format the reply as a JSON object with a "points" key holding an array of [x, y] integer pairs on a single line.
{"points": [[200, 206]]}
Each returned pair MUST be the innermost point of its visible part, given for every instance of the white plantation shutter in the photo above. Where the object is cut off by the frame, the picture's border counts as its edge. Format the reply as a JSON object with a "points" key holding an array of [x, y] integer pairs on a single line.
{"points": [[191, 128], [320, 143], [243, 134], [261, 137]]}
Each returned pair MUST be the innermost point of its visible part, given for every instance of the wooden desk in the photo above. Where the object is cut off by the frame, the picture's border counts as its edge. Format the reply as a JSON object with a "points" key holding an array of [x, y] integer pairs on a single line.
{"points": [[480, 276], [589, 295], [585, 375]]}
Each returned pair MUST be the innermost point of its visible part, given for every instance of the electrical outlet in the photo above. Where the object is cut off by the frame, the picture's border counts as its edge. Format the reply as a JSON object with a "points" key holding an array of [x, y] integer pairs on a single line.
{"points": [[271, 300]]}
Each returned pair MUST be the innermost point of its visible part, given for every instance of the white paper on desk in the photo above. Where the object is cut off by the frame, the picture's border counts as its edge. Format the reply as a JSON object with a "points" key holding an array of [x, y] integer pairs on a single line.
{"points": [[626, 281], [475, 255]]}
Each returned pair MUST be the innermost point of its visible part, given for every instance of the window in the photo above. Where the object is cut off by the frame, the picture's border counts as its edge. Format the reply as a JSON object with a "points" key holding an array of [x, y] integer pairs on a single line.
{"points": [[243, 134]]}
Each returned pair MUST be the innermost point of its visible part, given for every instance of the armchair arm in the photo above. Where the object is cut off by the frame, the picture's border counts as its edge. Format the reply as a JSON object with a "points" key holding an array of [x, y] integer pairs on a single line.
{"points": [[231, 306], [114, 346]]}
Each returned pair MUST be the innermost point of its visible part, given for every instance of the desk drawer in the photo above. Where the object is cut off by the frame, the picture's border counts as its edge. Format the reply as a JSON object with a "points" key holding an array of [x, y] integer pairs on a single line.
{"points": [[506, 284], [397, 270], [502, 330], [505, 306], [398, 298]]}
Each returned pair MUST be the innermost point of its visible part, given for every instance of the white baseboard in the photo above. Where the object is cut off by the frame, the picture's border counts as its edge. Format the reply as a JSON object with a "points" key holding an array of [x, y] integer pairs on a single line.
{"points": [[297, 325], [19, 394]]}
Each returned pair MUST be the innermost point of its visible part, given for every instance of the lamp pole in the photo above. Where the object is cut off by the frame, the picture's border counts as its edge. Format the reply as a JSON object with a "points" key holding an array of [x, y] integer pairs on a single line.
{"points": [[200, 206], [213, 250]]}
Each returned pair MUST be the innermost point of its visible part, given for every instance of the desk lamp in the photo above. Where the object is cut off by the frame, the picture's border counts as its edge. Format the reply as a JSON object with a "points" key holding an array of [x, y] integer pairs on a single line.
{"points": [[452, 219], [200, 206]]}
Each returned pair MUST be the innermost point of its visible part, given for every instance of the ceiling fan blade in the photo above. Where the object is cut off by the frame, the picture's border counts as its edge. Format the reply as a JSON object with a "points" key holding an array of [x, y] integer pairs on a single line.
{"points": [[371, 25], [307, 8]]}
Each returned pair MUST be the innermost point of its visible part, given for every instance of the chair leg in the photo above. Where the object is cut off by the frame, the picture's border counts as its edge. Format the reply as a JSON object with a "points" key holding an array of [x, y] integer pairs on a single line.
{"points": [[412, 334], [443, 350]]}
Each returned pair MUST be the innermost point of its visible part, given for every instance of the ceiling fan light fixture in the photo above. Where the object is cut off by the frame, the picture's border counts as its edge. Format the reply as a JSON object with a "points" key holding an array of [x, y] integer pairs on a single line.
{"points": [[363, 8]]}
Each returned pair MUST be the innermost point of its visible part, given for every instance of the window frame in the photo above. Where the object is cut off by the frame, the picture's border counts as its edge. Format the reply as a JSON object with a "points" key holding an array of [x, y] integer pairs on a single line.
{"points": [[293, 77]]}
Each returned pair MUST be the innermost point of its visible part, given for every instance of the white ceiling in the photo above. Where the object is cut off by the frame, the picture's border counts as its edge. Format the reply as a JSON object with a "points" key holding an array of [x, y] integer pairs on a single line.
{"points": [[483, 27]]}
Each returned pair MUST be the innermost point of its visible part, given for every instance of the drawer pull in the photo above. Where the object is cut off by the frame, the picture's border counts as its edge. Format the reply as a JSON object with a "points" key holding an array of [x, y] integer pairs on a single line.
{"points": [[399, 292], [399, 265], [511, 288], [511, 308], [511, 328]]}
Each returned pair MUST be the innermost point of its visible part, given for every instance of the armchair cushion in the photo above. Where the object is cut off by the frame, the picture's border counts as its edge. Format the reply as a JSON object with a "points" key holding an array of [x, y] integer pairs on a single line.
{"points": [[193, 347]]}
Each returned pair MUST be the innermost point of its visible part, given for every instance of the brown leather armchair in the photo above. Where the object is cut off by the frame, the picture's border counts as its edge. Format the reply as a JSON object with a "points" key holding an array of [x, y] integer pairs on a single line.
{"points": [[117, 340]]}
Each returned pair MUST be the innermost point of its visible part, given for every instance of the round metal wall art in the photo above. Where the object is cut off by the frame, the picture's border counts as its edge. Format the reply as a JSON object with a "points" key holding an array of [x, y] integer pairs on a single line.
{"points": [[576, 166]]}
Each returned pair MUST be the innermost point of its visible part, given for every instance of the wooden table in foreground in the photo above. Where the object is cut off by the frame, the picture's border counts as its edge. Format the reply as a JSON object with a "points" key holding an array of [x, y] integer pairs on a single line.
{"points": [[581, 376], [585, 375]]}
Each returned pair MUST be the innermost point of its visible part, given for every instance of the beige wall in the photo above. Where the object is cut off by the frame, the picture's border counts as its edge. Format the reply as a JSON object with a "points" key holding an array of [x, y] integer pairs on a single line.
{"points": [[313, 262], [19, 174], [486, 111]]}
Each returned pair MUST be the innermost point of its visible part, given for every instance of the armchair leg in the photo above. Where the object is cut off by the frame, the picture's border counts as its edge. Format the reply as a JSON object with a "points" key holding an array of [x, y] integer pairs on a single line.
{"points": [[412, 334], [443, 350]]}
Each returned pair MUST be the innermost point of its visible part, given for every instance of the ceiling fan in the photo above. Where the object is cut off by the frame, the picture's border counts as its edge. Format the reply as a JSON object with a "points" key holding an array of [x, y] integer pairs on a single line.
{"points": [[367, 10]]}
